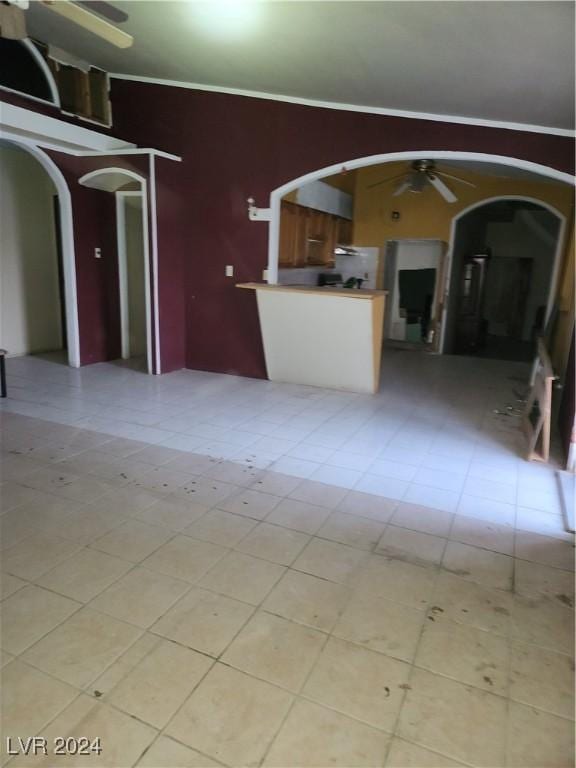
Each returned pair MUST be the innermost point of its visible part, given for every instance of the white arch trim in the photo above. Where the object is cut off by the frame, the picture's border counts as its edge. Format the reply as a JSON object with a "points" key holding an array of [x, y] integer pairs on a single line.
{"points": [[487, 201], [388, 157], [41, 61], [110, 179], [68, 253]]}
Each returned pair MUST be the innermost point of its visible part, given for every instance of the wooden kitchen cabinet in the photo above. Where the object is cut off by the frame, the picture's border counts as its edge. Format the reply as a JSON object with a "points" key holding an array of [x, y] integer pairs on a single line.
{"points": [[307, 237], [344, 231], [292, 235]]}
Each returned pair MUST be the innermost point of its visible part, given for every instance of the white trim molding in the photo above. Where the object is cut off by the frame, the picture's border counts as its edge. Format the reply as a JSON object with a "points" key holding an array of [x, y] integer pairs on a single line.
{"points": [[154, 232], [277, 194], [48, 76], [68, 251], [25, 124], [438, 118]]}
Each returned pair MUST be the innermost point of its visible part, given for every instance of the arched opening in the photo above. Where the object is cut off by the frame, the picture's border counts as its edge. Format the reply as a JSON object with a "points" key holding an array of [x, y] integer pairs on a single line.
{"points": [[39, 306], [24, 70], [136, 303], [398, 230], [505, 255]]}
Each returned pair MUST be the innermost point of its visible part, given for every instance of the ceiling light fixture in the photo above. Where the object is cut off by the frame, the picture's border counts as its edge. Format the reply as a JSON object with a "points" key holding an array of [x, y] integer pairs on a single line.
{"points": [[226, 19]]}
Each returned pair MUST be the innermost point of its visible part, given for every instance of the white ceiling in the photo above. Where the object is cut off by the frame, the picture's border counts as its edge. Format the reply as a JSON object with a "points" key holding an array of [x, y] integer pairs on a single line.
{"points": [[509, 61]]}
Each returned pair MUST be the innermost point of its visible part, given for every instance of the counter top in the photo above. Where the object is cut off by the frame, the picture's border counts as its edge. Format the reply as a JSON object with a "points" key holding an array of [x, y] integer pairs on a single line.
{"points": [[353, 293]]}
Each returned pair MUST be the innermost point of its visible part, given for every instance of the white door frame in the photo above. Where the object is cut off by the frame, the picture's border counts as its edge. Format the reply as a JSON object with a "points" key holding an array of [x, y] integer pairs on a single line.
{"points": [[68, 253], [557, 253], [110, 179], [123, 278]]}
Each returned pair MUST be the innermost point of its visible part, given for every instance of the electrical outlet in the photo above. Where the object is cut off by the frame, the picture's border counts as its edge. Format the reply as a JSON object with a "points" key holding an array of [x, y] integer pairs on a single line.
{"points": [[265, 275], [229, 270], [97, 253]]}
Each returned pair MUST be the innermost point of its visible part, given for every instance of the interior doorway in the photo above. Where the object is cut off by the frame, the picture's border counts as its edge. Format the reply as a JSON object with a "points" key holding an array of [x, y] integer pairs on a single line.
{"points": [[33, 316], [503, 260], [132, 276], [413, 277]]}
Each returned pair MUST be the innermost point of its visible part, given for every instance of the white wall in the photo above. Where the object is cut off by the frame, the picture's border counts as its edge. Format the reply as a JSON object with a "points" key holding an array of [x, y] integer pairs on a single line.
{"points": [[29, 293]]}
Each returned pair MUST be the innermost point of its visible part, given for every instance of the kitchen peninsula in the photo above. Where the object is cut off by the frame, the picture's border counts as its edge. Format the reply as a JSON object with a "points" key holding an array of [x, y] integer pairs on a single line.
{"points": [[322, 337]]}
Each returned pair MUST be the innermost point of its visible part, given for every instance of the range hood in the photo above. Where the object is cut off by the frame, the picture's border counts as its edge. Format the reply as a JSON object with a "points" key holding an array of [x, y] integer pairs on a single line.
{"points": [[345, 250]]}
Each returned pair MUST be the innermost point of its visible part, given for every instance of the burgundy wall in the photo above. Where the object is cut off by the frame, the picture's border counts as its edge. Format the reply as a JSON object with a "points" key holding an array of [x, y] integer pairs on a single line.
{"points": [[235, 147]]}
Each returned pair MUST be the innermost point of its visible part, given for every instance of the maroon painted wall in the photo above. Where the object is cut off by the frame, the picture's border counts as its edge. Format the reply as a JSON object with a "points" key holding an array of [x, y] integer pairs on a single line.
{"points": [[235, 147]]}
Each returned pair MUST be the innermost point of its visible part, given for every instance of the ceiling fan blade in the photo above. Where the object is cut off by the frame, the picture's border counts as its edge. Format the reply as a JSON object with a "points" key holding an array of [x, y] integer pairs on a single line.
{"points": [[455, 178], [402, 187], [385, 181], [105, 9], [90, 22], [440, 187]]}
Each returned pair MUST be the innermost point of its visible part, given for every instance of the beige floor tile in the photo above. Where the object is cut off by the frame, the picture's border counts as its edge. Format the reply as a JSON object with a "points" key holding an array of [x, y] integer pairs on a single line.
{"points": [[321, 494], [274, 543], [34, 518], [488, 568], [363, 684], [10, 584], [537, 580], [82, 647], [156, 687], [30, 699], [5, 658], [243, 577], [16, 495], [133, 540], [167, 752], [250, 503], [35, 555], [454, 719], [122, 667], [367, 505], [140, 597], [352, 530], [381, 625], [29, 614], [91, 523], [542, 679], [395, 580], [276, 483], [483, 533], [411, 546], [537, 739], [275, 650], [122, 738], [84, 575], [126, 501], [231, 472], [467, 654], [307, 600], [330, 560], [313, 736], [422, 519], [172, 514], [298, 515], [231, 717], [219, 527], [545, 550], [468, 603], [204, 621], [543, 623], [403, 754], [185, 558]]}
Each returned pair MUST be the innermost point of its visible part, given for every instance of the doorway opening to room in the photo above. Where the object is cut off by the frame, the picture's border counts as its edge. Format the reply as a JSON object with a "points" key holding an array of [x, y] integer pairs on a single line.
{"points": [[503, 257], [35, 314], [134, 268]]}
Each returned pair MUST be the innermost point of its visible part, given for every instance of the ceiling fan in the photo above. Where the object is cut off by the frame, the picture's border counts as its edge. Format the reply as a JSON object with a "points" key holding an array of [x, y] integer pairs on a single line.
{"points": [[421, 173], [93, 15]]}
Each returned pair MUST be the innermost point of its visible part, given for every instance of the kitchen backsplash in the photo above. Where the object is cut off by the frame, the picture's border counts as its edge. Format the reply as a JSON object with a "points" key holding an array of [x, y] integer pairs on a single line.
{"points": [[364, 263]]}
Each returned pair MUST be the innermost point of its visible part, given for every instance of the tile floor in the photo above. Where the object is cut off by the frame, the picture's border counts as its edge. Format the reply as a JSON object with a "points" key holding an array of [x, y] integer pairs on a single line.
{"points": [[206, 570]]}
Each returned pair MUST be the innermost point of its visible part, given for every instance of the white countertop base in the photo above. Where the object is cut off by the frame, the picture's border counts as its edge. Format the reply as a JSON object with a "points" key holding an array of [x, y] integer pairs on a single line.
{"points": [[322, 339]]}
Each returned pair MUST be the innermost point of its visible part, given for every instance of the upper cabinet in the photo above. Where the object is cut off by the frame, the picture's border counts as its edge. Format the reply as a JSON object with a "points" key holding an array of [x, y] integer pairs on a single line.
{"points": [[308, 237]]}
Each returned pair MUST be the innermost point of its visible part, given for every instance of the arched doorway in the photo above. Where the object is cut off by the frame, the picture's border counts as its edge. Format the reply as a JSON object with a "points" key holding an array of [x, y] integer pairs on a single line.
{"points": [[68, 323], [504, 257], [137, 299]]}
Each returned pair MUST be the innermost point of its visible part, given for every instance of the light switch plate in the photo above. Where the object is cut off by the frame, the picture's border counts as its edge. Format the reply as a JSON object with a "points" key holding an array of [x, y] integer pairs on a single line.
{"points": [[229, 270], [265, 274], [97, 253]]}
